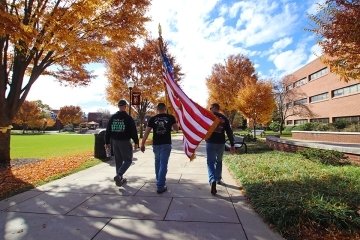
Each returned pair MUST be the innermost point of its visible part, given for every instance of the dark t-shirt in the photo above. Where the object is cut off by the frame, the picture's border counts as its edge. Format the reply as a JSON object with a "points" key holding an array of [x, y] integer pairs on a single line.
{"points": [[218, 136], [161, 125]]}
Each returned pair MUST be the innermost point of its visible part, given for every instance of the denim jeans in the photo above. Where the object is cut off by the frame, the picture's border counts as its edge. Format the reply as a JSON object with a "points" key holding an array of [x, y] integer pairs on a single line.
{"points": [[123, 154], [162, 154], [214, 153]]}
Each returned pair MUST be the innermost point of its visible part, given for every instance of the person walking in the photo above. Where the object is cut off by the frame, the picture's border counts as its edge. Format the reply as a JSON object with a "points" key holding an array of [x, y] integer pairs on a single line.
{"points": [[120, 129], [215, 147], [161, 124]]}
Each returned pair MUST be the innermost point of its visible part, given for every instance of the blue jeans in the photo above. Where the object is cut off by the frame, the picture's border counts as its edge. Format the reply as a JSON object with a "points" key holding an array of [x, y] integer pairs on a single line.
{"points": [[214, 153], [162, 154]]}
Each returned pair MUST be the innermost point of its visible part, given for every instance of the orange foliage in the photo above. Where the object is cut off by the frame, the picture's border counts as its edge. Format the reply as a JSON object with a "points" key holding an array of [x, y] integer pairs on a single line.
{"points": [[70, 115], [226, 80], [58, 38], [142, 65], [28, 114], [256, 102], [338, 28], [27, 176]]}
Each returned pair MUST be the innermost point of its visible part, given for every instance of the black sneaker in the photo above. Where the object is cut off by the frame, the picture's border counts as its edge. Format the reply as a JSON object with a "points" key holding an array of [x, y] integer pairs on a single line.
{"points": [[162, 190], [120, 181], [213, 188]]}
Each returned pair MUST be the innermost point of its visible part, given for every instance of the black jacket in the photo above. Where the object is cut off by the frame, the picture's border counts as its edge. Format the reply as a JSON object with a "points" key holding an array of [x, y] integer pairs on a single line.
{"points": [[121, 127]]}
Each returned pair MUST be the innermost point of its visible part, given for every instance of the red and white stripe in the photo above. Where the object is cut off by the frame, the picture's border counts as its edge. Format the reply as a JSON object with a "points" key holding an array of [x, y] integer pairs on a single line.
{"points": [[196, 122]]}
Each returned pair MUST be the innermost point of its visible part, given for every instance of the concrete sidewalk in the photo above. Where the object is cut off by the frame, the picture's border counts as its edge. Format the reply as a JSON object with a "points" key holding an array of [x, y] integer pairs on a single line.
{"points": [[88, 205]]}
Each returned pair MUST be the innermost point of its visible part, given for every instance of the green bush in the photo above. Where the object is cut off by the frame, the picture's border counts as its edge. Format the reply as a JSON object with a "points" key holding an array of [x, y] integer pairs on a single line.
{"points": [[340, 124], [329, 157], [275, 126], [288, 129], [322, 127]]}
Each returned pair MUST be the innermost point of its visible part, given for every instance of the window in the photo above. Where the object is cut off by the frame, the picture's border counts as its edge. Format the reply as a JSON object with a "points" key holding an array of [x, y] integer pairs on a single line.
{"points": [[351, 119], [318, 74], [300, 121], [320, 120], [319, 97], [300, 101], [288, 105], [289, 122], [289, 87], [300, 82], [346, 90]]}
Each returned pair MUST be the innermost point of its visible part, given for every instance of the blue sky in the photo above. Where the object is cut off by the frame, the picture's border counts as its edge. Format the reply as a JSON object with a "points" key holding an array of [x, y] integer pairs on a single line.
{"points": [[205, 32]]}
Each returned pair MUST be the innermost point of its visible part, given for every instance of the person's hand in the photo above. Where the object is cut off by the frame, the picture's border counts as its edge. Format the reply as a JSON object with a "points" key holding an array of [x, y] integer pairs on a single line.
{"points": [[232, 149], [142, 148]]}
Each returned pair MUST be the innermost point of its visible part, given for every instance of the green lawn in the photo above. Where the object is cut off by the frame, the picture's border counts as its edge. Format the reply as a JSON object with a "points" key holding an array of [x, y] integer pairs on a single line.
{"points": [[299, 196], [49, 145]]}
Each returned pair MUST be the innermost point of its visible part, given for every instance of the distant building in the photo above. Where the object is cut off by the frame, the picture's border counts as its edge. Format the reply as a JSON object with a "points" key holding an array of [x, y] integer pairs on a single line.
{"points": [[328, 98], [101, 118]]}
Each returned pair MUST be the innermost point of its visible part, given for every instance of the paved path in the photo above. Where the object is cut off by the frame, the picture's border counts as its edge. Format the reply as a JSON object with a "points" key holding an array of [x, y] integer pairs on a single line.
{"points": [[88, 205]]}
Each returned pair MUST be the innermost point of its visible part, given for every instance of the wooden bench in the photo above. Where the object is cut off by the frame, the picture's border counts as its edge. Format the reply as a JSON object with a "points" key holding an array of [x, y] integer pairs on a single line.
{"points": [[258, 132], [239, 142]]}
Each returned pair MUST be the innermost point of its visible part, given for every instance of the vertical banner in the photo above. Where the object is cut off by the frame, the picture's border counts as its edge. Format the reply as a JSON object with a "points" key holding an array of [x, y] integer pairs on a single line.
{"points": [[135, 98]]}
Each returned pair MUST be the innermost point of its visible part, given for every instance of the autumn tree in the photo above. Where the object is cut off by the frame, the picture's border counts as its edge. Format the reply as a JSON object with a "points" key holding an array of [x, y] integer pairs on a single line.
{"points": [[286, 100], [143, 65], [70, 115], [57, 38], [338, 28], [28, 114], [227, 79], [256, 102]]}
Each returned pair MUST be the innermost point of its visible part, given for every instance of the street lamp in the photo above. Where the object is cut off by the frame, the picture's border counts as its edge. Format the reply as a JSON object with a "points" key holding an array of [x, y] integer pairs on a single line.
{"points": [[130, 85]]}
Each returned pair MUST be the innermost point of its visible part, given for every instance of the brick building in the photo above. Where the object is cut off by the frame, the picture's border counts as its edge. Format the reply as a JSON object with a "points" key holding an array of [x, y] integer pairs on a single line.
{"points": [[322, 92]]}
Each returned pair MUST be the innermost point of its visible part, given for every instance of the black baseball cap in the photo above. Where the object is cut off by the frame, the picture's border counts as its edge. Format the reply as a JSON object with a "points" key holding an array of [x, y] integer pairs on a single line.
{"points": [[122, 102]]}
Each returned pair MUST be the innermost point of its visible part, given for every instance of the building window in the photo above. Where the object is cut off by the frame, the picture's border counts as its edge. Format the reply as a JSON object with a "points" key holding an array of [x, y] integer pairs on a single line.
{"points": [[351, 119], [346, 90], [289, 122], [300, 82], [289, 87], [300, 121], [288, 105], [318, 74], [300, 101], [320, 120], [319, 97]]}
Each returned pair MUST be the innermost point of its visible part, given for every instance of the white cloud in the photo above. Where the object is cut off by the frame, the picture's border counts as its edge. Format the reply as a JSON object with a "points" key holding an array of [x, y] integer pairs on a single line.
{"points": [[316, 51], [289, 61], [314, 7], [202, 33], [89, 98], [282, 43]]}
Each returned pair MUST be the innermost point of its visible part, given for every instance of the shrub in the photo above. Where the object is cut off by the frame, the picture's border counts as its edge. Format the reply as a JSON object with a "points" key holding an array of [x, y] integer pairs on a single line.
{"points": [[340, 124], [322, 127], [288, 129], [329, 157], [275, 126]]}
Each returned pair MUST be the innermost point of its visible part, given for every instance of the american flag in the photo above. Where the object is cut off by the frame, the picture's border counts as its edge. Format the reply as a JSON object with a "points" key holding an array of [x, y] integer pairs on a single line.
{"points": [[196, 122]]}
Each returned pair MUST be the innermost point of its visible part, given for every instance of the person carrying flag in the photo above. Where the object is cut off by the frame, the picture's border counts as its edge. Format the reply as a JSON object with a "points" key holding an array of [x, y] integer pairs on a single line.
{"points": [[215, 147]]}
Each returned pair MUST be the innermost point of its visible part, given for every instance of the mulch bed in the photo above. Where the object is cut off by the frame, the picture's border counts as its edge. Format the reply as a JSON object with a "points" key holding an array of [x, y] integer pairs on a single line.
{"points": [[27, 173]]}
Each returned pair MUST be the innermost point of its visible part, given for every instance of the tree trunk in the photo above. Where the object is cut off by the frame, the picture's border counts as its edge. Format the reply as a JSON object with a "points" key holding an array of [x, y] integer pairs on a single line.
{"points": [[254, 130], [4, 149], [281, 126]]}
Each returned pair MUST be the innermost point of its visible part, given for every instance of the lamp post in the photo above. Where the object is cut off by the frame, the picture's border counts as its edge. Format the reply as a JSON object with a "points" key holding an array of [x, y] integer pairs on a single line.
{"points": [[130, 85]]}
